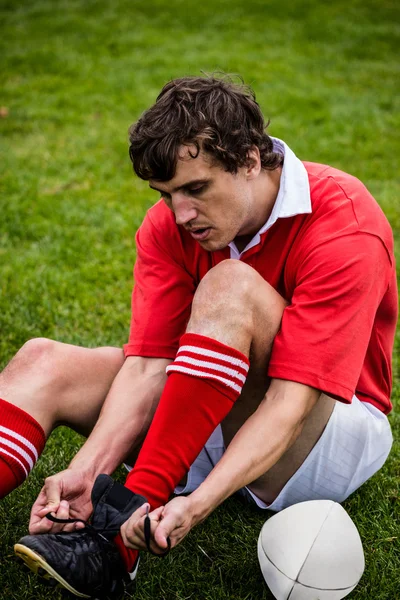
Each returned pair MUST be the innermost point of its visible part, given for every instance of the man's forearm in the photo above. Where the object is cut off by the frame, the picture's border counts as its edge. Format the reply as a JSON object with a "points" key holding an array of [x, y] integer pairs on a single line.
{"points": [[258, 445], [125, 417]]}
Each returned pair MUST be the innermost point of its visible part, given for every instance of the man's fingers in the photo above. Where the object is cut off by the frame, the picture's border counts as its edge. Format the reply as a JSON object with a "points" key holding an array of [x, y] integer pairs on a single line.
{"points": [[131, 538], [47, 501], [132, 531], [52, 490], [62, 513], [141, 511], [37, 507], [44, 511], [40, 525], [36, 523], [162, 533], [39, 528], [156, 514], [129, 529]]}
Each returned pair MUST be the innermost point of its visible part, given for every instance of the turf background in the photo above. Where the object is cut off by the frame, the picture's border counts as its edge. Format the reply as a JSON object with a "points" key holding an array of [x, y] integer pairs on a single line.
{"points": [[73, 76]]}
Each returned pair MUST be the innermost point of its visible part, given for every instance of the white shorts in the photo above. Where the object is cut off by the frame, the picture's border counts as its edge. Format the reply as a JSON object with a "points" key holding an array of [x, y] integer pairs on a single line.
{"points": [[354, 445]]}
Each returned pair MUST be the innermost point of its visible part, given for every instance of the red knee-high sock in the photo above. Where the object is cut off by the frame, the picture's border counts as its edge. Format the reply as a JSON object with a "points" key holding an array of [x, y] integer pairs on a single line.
{"points": [[204, 381], [22, 440]]}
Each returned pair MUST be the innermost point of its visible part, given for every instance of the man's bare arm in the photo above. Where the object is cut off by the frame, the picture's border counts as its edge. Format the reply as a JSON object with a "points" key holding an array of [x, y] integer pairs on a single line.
{"points": [[125, 417], [122, 425], [259, 443]]}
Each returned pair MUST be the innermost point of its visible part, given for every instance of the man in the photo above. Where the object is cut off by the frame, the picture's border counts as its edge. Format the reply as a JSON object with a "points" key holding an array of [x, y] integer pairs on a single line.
{"points": [[265, 288]]}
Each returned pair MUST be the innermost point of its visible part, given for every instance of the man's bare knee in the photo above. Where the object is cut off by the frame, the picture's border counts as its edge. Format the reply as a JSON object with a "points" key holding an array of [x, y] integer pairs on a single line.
{"points": [[31, 359], [54, 381], [228, 276], [234, 304], [34, 350], [29, 381]]}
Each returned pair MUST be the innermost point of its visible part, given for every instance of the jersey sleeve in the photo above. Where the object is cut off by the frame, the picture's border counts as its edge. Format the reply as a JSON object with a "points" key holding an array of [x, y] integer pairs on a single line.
{"points": [[162, 293], [326, 329]]}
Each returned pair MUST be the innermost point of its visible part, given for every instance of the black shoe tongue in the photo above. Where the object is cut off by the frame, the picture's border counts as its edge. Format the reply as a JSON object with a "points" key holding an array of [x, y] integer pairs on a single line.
{"points": [[113, 504]]}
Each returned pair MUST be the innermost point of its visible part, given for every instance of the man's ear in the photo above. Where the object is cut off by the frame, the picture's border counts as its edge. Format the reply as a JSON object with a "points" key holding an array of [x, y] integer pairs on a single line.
{"points": [[253, 163]]}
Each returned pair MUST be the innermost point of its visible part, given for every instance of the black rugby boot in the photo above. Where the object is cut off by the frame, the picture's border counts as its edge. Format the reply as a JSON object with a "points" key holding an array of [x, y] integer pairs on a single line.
{"points": [[86, 562]]}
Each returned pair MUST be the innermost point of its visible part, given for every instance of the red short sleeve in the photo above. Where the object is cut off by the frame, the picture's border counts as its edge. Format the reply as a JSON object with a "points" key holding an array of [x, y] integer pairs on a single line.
{"points": [[162, 294], [326, 330]]}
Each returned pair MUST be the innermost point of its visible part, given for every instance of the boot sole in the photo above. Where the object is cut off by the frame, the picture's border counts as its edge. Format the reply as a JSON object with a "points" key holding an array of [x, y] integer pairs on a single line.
{"points": [[37, 564]]}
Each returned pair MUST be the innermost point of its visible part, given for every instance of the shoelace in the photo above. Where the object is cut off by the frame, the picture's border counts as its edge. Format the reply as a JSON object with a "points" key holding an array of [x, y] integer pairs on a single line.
{"points": [[87, 525], [147, 531]]}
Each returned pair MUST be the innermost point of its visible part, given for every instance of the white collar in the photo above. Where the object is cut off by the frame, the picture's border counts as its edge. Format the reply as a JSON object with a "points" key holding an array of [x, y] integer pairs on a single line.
{"points": [[293, 196]]}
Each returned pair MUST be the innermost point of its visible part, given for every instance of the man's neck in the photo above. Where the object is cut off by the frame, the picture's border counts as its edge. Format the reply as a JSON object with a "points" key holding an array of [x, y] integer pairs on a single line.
{"points": [[242, 241], [267, 194]]}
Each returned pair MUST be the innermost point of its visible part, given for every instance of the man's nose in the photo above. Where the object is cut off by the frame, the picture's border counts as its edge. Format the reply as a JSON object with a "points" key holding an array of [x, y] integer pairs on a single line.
{"points": [[183, 210]]}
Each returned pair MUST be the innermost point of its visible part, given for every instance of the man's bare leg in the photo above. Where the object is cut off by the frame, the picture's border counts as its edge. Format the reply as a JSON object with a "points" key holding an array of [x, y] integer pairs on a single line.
{"points": [[45, 385], [60, 384], [95, 392], [232, 288]]}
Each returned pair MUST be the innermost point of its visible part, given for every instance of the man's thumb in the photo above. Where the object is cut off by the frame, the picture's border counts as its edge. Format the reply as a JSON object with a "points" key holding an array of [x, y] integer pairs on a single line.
{"points": [[53, 494]]}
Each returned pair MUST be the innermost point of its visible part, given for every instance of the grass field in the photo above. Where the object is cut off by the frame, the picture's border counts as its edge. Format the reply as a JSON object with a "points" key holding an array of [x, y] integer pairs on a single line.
{"points": [[74, 75]]}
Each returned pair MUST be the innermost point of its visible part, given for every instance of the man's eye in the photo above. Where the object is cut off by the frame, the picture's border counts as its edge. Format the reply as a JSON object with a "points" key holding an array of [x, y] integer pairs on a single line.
{"points": [[196, 190]]}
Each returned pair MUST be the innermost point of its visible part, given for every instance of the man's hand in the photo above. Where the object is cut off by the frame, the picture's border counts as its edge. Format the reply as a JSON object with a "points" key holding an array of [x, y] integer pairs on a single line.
{"points": [[67, 496], [174, 520], [132, 531], [177, 519]]}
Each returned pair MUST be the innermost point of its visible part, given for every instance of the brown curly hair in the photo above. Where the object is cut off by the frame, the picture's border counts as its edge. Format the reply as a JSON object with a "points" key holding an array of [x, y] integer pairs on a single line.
{"points": [[209, 113]]}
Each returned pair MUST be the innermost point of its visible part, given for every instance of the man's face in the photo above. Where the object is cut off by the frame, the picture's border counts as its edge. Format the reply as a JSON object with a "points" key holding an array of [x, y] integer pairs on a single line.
{"points": [[214, 206]]}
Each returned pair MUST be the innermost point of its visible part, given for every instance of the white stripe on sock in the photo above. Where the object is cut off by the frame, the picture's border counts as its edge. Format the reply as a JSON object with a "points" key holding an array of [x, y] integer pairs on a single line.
{"points": [[15, 458], [20, 451], [21, 439], [204, 374], [218, 355], [210, 365]]}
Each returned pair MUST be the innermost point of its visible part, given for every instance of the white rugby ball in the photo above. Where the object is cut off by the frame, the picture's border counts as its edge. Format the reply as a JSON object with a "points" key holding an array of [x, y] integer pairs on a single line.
{"points": [[311, 551]]}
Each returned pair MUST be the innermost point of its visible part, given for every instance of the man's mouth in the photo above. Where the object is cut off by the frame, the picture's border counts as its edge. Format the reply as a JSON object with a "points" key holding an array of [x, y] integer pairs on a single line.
{"points": [[200, 233]]}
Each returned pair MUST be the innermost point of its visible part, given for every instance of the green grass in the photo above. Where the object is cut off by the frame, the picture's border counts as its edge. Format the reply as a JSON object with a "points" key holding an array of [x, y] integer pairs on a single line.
{"points": [[74, 75]]}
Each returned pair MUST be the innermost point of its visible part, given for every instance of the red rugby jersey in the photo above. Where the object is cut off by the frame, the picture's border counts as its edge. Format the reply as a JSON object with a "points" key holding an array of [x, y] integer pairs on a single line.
{"points": [[335, 266]]}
